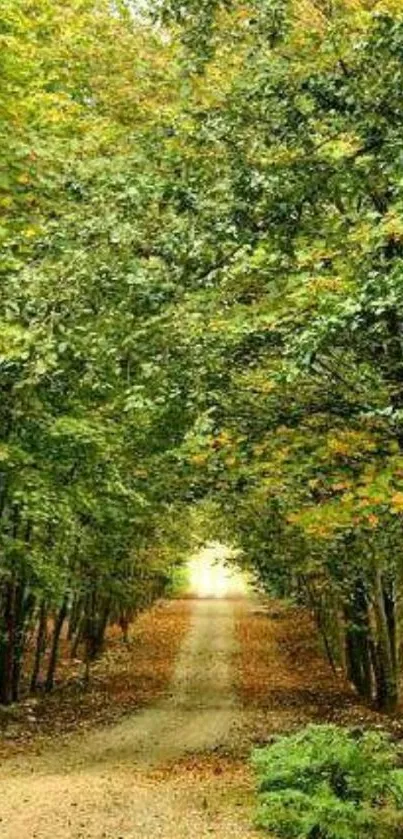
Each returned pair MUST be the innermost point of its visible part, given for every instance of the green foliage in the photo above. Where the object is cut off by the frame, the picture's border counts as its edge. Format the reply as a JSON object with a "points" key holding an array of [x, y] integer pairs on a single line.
{"points": [[201, 301], [297, 327], [326, 782], [94, 399], [179, 581]]}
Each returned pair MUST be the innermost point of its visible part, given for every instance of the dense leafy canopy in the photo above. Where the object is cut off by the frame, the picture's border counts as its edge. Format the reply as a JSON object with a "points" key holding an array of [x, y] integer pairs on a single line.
{"points": [[91, 407], [300, 438], [202, 255]]}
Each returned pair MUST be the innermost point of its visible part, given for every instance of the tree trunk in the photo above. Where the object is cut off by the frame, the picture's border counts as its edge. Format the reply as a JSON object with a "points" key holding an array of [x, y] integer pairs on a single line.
{"points": [[61, 617], [358, 648], [124, 624], [387, 688], [39, 647], [7, 654], [75, 617], [79, 637], [25, 604]]}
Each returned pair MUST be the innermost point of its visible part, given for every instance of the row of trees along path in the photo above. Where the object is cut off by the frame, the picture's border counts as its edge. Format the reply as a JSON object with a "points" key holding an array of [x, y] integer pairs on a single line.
{"points": [[201, 316]]}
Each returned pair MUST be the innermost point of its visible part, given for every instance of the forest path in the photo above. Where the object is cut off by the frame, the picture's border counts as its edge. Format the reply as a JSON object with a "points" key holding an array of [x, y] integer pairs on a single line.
{"points": [[149, 775]]}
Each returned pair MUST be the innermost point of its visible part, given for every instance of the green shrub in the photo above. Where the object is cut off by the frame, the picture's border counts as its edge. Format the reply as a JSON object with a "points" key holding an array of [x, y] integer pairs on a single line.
{"points": [[327, 782]]}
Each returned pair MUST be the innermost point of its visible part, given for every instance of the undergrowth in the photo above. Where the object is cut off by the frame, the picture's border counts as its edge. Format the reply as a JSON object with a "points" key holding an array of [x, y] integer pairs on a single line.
{"points": [[327, 782]]}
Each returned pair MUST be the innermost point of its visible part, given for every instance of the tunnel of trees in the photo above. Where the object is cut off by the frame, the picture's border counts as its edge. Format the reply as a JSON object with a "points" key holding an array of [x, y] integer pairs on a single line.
{"points": [[201, 307]]}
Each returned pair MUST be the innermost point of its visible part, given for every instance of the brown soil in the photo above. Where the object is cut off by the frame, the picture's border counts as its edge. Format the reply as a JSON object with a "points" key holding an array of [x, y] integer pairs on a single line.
{"points": [[176, 769], [285, 680], [167, 771], [127, 677]]}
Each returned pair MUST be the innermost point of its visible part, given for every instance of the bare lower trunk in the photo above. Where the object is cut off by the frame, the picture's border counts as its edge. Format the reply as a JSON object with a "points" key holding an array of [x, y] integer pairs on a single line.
{"points": [[7, 645], [387, 688], [359, 664], [39, 647], [61, 617]]}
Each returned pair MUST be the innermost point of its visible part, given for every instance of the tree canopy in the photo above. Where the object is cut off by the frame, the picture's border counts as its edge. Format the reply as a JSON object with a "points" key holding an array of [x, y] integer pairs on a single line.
{"points": [[201, 308]]}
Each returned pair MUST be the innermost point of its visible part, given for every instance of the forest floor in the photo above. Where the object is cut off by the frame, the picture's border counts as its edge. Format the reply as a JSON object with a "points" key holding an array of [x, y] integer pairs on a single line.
{"points": [[127, 677], [176, 768]]}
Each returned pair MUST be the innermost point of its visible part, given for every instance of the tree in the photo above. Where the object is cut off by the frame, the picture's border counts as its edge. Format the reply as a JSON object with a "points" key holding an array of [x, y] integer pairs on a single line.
{"points": [[92, 383], [300, 323]]}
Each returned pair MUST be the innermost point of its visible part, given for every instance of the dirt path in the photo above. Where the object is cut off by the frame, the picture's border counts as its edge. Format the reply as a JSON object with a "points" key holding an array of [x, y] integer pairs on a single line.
{"points": [[148, 775], [177, 769]]}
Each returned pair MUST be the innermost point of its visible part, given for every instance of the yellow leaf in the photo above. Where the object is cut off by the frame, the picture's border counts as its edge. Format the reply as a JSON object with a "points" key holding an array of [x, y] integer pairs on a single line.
{"points": [[397, 502], [199, 459]]}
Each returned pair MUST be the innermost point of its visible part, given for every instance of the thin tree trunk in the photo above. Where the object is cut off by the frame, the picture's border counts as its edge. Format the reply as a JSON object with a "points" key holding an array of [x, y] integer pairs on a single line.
{"points": [[61, 617], [39, 647], [6, 676], [75, 617], [316, 607], [387, 689], [25, 604], [78, 639], [360, 670]]}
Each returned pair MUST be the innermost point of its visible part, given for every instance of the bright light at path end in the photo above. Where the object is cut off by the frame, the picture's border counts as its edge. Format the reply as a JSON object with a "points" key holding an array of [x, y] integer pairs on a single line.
{"points": [[209, 576]]}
